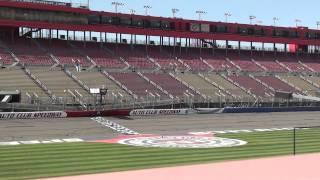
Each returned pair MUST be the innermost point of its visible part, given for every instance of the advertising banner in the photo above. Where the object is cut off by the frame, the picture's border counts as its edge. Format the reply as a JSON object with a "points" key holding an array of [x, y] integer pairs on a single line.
{"points": [[155, 112], [195, 27], [32, 115]]}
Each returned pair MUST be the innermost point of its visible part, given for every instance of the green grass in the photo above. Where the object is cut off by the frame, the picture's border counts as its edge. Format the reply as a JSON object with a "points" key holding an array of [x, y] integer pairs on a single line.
{"points": [[49, 160]]}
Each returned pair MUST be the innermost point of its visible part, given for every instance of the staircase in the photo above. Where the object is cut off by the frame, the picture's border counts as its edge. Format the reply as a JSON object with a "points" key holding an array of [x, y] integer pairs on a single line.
{"points": [[188, 68], [239, 86], [119, 84], [77, 80], [310, 82], [91, 61], [258, 64], [118, 58], [209, 65], [155, 63], [154, 84], [40, 84], [283, 65], [231, 62], [216, 85], [264, 84], [306, 66], [290, 84], [189, 86]]}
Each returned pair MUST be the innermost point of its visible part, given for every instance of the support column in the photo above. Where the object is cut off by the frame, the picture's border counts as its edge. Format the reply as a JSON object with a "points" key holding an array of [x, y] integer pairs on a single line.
{"points": [[227, 44], [213, 47], [274, 49], [180, 46], [146, 44], [239, 47], [67, 35], [251, 49]]}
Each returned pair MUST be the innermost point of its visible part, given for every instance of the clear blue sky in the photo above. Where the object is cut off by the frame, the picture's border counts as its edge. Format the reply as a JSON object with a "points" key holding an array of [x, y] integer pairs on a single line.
{"points": [[287, 10]]}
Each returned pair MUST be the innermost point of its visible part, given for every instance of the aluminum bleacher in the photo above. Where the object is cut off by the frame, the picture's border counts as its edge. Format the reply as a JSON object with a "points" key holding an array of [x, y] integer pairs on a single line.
{"points": [[136, 56], [292, 63], [28, 52], [276, 84], [94, 79], [58, 82], [16, 79], [138, 85], [244, 62], [252, 85], [199, 84], [167, 82], [5, 57], [64, 52], [305, 87], [100, 56], [233, 89]]}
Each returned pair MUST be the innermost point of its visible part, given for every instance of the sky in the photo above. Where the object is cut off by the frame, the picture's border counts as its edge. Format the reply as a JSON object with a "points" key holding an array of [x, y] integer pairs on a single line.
{"points": [[287, 11]]}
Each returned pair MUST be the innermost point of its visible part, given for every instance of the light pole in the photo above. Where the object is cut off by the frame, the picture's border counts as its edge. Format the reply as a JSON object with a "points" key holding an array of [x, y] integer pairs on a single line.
{"points": [[132, 11], [226, 15], [116, 4], [199, 12], [275, 19], [297, 21], [146, 9], [252, 18], [174, 11], [318, 24]]}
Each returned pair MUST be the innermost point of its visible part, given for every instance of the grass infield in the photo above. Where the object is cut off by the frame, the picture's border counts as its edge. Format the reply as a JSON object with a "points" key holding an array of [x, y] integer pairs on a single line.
{"points": [[50, 160]]}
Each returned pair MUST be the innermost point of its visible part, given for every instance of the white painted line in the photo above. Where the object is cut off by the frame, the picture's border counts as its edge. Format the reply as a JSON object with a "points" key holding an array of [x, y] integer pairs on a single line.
{"points": [[69, 140], [73, 140], [13, 143], [30, 142]]}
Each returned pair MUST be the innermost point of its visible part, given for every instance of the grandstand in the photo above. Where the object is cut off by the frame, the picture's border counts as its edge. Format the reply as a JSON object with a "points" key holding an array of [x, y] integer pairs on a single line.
{"points": [[61, 63]]}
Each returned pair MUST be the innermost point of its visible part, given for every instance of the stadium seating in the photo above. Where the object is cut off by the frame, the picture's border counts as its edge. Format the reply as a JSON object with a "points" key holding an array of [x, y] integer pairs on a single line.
{"points": [[64, 52], [312, 62], [227, 85], [28, 53], [244, 62], [199, 84], [5, 57], [252, 85], [306, 87], [191, 56], [166, 60], [98, 80], [147, 59], [58, 82], [138, 85], [16, 79], [135, 55], [292, 63], [99, 55], [267, 60], [170, 84], [276, 84]]}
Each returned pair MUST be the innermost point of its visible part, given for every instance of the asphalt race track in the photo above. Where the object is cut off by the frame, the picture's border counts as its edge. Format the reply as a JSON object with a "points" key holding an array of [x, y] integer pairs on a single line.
{"points": [[43, 129]]}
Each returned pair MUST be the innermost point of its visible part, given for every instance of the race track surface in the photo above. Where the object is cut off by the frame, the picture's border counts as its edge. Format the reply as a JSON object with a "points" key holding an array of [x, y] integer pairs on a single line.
{"points": [[42, 129]]}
